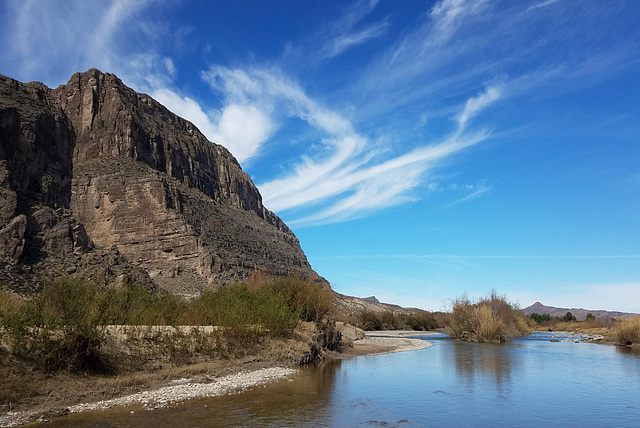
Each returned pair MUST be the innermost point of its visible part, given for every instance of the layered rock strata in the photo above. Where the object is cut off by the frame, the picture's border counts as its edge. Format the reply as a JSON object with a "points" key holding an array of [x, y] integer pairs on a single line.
{"points": [[95, 177]]}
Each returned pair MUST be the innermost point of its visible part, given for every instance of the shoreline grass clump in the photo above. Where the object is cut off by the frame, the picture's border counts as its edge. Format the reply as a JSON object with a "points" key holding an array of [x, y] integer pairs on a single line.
{"points": [[627, 331], [491, 319]]}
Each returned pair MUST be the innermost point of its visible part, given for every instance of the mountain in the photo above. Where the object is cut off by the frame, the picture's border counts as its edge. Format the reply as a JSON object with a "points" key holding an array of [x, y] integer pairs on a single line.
{"points": [[97, 180], [580, 314]]}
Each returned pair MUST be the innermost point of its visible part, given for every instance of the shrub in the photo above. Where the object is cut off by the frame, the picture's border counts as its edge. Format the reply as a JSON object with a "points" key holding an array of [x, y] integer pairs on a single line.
{"points": [[540, 318], [627, 331], [61, 328], [132, 304], [242, 311], [491, 319], [310, 301], [417, 319], [57, 329], [370, 320]]}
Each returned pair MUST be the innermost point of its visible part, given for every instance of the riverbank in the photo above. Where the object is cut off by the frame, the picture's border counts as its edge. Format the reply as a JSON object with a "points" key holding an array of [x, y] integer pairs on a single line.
{"points": [[386, 342], [176, 391], [72, 394]]}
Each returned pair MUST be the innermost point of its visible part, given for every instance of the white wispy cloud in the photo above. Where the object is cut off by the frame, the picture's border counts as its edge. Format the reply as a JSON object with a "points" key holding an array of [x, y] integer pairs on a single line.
{"points": [[477, 104], [476, 191], [344, 33], [344, 41], [432, 70], [242, 130], [371, 187], [86, 34], [448, 15], [542, 4], [347, 176]]}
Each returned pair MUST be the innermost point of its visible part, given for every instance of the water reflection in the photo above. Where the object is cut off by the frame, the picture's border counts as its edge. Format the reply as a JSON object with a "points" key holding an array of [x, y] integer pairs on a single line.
{"points": [[486, 363]]}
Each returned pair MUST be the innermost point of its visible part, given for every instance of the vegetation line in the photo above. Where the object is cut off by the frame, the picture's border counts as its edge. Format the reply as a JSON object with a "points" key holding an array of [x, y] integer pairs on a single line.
{"points": [[64, 326]]}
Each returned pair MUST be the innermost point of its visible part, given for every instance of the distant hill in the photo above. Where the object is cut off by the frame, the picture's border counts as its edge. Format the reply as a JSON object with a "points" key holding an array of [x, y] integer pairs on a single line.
{"points": [[579, 313], [350, 306]]}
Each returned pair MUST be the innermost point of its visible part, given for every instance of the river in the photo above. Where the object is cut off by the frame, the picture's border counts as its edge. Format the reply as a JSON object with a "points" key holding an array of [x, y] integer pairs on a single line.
{"points": [[527, 382]]}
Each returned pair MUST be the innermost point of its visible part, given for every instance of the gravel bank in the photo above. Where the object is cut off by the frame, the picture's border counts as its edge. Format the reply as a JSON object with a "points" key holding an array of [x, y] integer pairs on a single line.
{"points": [[184, 389], [178, 391]]}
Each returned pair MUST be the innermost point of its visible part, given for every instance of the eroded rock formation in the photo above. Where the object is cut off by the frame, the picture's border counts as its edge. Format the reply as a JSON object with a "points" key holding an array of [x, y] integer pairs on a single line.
{"points": [[95, 177]]}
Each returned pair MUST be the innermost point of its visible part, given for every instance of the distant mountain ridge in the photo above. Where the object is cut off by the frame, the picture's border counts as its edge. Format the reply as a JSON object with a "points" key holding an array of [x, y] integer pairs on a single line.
{"points": [[579, 313]]}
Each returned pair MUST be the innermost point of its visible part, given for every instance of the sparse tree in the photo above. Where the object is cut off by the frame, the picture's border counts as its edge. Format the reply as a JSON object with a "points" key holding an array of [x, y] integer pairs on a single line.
{"points": [[540, 318]]}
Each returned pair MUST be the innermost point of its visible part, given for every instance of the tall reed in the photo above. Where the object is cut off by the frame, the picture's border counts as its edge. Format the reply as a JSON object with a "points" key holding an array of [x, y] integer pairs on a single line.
{"points": [[490, 319], [627, 331]]}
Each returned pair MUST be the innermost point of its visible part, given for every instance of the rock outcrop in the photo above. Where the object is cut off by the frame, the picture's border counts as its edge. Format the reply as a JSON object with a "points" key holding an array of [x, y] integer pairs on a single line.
{"points": [[95, 177]]}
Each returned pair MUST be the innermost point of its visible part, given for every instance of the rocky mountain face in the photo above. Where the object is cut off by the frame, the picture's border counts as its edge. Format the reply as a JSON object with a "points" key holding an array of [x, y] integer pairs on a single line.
{"points": [[96, 179]]}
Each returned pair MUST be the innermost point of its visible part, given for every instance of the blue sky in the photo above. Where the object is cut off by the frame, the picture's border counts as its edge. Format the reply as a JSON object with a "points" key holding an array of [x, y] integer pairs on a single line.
{"points": [[418, 149]]}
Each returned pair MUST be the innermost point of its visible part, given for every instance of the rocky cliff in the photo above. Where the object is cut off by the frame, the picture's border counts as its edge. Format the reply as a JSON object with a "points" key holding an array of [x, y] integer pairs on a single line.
{"points": [[96, 179]]}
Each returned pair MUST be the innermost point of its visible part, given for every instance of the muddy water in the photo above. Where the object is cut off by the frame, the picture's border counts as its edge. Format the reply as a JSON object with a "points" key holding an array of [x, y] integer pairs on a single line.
{"points": [[527, 382]]}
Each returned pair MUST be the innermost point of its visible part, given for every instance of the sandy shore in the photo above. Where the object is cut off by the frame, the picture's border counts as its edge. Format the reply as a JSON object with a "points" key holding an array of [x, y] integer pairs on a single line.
{"points": [[376, 343], [386, 342]]}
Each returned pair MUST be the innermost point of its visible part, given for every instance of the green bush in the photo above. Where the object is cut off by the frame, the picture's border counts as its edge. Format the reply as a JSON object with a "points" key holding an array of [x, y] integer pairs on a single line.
{"points": [[249, 311], [310, 301], [540, 318], [370, 320], [57, 329]]}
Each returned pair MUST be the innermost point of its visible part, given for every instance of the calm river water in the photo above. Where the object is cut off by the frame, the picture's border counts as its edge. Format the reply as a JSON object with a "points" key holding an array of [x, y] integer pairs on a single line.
{"points": [[528, 382]]}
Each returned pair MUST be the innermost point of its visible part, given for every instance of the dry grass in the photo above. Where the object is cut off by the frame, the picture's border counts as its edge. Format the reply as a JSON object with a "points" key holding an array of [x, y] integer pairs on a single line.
{"points": [[490, 319], [627, 331]]}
